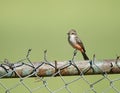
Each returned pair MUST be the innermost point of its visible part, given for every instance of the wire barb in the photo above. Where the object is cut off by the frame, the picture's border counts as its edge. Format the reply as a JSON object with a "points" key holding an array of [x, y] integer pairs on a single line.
{"points": [[74, 54], [27, 57], [118, 57], [45, 55], [28, 53]]}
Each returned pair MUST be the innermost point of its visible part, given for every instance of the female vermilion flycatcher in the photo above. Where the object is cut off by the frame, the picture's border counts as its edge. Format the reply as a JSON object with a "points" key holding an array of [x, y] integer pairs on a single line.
{"points": [[76, 43]]}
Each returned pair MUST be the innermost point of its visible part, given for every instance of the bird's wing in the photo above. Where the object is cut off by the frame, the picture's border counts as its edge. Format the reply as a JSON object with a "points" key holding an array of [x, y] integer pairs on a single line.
{"points": [[80, 43]]}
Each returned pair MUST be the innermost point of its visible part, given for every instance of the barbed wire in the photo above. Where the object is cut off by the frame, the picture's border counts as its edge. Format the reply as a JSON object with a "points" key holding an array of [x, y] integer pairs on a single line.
{"points": [[56, 77]]}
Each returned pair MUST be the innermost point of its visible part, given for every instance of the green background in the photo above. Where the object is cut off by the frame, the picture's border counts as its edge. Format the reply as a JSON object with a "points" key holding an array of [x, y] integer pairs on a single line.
{"points": [[43, 24]]}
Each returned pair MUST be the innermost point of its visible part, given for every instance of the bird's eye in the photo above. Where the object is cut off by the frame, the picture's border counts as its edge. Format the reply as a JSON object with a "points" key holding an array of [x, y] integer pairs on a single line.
{"points": [[72, 33]]}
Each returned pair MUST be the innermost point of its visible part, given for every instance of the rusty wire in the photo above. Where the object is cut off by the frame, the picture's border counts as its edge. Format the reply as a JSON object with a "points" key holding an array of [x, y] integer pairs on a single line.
{"points": [[42, 84]]}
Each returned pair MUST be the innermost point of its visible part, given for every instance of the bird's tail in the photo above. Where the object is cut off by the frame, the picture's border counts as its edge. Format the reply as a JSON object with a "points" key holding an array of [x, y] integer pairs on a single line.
{"points": [[85, 56]]}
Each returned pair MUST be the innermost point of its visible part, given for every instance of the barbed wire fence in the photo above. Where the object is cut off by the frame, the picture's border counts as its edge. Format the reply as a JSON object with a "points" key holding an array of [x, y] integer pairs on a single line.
{"points": [[70, 76]]}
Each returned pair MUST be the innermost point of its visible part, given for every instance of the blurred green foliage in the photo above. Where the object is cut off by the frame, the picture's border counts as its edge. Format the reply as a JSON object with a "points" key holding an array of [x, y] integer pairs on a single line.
{"points": [[43, 24]]}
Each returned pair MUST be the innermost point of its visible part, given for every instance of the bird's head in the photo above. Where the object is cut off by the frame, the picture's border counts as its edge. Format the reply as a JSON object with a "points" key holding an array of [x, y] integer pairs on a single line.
{"points": [[72, 32]]}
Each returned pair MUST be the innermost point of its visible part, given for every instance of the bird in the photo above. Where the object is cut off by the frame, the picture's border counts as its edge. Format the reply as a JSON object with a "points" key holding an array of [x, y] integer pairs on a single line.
{"points": [[76, 43]]}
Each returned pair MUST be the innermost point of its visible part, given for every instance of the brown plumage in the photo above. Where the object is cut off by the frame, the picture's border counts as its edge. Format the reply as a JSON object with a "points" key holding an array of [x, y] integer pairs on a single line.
{"points": [[76, 43]]}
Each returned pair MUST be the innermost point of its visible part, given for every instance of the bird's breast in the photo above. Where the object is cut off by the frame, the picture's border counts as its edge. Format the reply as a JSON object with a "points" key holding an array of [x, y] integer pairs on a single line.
{"points": [[72, 39]]}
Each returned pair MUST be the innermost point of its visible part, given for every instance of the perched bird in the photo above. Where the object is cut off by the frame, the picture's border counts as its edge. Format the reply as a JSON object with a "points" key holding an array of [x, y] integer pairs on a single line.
{"points": [[76, 43]]}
